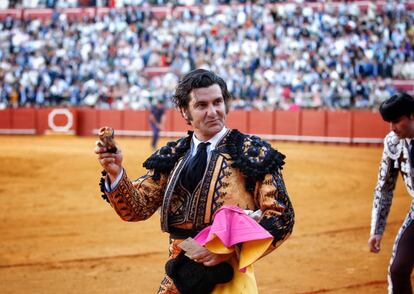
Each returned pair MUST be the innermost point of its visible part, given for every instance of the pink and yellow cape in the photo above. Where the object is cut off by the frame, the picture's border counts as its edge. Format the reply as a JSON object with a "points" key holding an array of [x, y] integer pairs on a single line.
{"points": [[233, 230]]}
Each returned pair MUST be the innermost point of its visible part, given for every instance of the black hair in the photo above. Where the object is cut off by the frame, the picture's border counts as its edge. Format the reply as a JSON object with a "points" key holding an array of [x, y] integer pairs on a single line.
{"points": [[398, 105], [198, 78]]}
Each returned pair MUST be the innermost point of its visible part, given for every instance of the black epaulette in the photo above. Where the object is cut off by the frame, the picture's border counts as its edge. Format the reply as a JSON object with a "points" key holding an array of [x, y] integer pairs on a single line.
{"points": [[164, 159], [254, 157]]}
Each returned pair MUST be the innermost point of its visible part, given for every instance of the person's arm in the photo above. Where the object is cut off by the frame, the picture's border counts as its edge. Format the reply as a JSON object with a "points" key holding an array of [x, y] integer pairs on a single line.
{"points": [[278, 216], [133, 201], [138, 200], [384, 190]]}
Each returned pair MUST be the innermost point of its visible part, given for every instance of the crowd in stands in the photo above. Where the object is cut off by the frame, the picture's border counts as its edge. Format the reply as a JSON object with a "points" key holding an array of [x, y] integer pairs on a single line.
{"points": [[272, 56]]}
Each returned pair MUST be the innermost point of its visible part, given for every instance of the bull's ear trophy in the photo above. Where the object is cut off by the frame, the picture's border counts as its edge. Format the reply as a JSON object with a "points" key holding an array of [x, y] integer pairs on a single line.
{"points": [[106, 137]]}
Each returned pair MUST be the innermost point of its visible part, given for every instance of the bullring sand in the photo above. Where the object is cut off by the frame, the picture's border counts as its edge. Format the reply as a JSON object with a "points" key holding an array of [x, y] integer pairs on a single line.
{"points": [[59, 236]]}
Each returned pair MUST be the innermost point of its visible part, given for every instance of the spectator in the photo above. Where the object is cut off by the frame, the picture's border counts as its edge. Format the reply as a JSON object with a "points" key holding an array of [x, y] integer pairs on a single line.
{"points": [[271, 56]]}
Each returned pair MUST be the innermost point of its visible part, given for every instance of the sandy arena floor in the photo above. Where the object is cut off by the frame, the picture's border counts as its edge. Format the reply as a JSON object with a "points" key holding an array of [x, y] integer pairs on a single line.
{"points": [[59, 236]]}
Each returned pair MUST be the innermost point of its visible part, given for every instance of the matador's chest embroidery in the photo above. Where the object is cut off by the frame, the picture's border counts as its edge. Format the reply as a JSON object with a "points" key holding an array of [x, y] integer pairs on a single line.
{"points": [[221, 185]]}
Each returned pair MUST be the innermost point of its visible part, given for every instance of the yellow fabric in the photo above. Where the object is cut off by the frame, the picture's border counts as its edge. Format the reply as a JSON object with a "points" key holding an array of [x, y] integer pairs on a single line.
{"points": [[252, 250], [249, 253], [242, 282], [216, 246]]}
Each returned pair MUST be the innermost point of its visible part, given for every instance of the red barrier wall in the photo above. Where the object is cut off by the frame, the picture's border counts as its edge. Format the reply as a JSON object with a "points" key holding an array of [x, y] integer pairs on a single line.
{"points": [[135, 120], [313, 123], [14, 13], [61, 120], [339, 124], [5, 121], [238, 119], [368, 125], [261, 122], [304, 125], [78, 13], [174, 122], [87, 121], [109, 117], [37, 13], [24, 119], [42, 124], [169, 120], [287, 122], [178, 123]]}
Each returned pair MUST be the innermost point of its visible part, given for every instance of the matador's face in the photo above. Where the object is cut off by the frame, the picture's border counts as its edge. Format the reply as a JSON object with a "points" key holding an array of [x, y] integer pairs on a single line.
{"points": [[206, 111], [403, 126]]}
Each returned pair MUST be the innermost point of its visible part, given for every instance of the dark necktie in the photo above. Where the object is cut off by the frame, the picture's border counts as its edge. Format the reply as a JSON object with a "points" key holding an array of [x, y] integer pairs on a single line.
{"points": [[194, 169], [412, 153]]}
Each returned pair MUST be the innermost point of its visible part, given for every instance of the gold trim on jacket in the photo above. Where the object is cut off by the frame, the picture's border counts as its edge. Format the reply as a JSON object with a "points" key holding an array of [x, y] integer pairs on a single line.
{"points": [[242, 171]]}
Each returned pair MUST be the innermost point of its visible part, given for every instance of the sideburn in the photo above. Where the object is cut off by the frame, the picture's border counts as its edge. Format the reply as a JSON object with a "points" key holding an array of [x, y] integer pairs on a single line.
{"points": [[186, 115]]}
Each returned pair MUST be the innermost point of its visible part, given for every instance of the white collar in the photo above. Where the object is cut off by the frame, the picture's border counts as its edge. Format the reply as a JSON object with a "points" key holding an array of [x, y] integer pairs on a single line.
{"points": [[213, 141]]}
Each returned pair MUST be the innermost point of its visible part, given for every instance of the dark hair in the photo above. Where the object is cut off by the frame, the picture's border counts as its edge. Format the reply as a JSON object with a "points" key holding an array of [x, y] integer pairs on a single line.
{"points": [[198, 78], [396, 106]]}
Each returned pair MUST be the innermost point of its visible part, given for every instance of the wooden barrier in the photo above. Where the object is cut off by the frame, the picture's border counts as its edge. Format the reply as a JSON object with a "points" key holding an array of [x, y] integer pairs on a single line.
{"points": [[42, 121], [368, 127], [238, 119], [76, 13], [134, 123], [302, 125], [313, 125], [338, 126], [5, 121], [15, 13], [174, 124], [261, 122], [179, 125], [287, 125], [43, 14], [109, 117], [87, 121], [169, 120], [23, 121], [56, 120]]}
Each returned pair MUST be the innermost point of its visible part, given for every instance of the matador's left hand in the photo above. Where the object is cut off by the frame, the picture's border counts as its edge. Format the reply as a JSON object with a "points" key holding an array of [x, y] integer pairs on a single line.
{"points": [[208, 258]]}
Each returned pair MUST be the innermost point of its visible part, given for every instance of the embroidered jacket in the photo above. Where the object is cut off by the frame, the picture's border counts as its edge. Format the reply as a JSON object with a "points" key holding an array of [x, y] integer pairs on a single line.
{"points": [[242, 170], [395, 158]]}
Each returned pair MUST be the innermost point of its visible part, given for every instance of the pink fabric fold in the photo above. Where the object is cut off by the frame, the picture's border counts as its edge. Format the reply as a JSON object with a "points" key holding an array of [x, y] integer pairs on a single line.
{"points": [[232, 226]]}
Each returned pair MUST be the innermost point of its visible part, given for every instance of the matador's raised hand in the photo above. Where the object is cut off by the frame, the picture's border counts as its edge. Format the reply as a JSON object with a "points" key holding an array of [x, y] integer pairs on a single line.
{"points": [[109, 154]]}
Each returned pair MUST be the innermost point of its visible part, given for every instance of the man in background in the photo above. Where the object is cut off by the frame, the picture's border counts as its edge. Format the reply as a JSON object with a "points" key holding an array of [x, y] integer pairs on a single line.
{"points": [[156, 121]]}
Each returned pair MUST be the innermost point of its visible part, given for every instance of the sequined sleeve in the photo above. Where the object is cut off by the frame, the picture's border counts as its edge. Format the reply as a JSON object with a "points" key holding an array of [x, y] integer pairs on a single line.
{"points": [[384, 190], [278, 215], [138, 200]]}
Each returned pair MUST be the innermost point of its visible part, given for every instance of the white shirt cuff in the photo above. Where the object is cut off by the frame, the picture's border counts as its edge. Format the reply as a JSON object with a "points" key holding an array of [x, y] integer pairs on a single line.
{"points": [[114, 184]]}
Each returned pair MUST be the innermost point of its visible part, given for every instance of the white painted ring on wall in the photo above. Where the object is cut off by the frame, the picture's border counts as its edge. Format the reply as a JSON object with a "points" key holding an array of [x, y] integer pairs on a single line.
{"points": [[60, 111]]}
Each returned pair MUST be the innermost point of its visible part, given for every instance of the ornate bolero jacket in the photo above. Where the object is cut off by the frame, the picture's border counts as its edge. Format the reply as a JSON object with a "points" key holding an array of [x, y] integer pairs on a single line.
{"points": [[243, 171], [395, 158]]}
